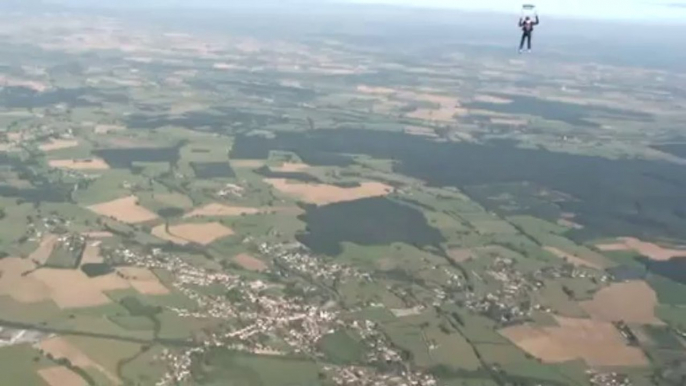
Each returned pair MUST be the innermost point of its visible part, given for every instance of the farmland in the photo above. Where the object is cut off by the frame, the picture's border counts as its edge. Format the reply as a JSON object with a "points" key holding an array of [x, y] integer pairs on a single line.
{"points": [[191, 198]]}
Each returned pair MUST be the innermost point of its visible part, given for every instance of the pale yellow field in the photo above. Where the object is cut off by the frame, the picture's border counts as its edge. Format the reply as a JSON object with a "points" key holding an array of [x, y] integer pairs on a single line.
{"points": [[15, 137], [21, 280], [83, 164], [183, 108], [492, 99], [143, 280], [509, 121], [444, 114], [569, 224], [6, 146], [91, 253], [58, 144], [487, 113], [650, 250], [124, 209], [61, 348], [61, 376], [596, 343], [44, 250], [32, 84], [250, 263], [630, 302], [384, 106], [160, 231], [200, 233], [247, 163], [104, 129], [578, 261], [225, 66], [421, 131], [174, 199], [219, 210], [322, 194], [73, 289], [375, 90], [182, 234], [449, 107], [443, 100], [13, 282], [97, 234], [289, 167], [460, 255]]}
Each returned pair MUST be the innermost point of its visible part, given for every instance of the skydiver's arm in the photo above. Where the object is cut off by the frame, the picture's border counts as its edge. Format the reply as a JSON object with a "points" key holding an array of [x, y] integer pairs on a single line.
{"points": [[537, 20], [521, 22]]}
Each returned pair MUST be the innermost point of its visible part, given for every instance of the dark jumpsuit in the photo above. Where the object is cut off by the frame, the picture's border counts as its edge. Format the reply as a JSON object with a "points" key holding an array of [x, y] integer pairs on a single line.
{"points": [[527, 27]]}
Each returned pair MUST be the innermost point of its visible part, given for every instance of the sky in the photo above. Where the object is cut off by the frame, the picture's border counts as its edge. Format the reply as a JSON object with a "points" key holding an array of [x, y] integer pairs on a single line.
{"points": [[656, 10]]}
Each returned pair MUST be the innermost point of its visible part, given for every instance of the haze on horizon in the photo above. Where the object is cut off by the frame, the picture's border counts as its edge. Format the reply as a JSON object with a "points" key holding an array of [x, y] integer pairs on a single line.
{"points": [[659, 11], [645, 10]]}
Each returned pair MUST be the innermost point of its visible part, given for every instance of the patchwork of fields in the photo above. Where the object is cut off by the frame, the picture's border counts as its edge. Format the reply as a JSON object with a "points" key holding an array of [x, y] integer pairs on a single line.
{"points": [[187, 208]]}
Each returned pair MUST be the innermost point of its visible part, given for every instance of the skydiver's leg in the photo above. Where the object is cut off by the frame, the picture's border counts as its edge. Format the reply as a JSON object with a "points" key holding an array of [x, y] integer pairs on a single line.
{"points": [[521, 43], [528, 41]]}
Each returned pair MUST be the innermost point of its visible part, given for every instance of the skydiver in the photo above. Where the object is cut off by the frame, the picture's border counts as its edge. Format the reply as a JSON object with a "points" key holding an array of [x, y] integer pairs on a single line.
{"points": [[527, 26]]}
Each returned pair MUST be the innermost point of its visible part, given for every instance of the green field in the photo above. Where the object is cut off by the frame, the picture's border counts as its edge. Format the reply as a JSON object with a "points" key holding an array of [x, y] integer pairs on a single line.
{"points": [[19, 365], [570, 373], [144, 368], [13, 223], [536, 225], [107, 353], [552, 295], [492, 163], [40, 312], [342, 347], [668, 291], [133, 322], [428, 344], [111, 186], [355, 293], [62, 257], [673, 315], [222, 367]]}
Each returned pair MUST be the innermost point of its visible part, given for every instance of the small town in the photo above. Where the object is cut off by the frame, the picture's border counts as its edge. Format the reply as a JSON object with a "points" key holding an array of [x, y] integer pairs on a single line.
{"points": [[295, 321]]}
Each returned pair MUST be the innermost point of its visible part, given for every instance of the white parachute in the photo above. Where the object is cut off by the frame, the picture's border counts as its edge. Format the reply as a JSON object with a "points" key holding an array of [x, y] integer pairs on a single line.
{"points": [[529, 10]]}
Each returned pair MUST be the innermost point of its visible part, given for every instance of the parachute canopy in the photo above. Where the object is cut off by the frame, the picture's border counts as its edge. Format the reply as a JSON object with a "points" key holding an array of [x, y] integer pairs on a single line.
{"points": [[528, 10]]}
